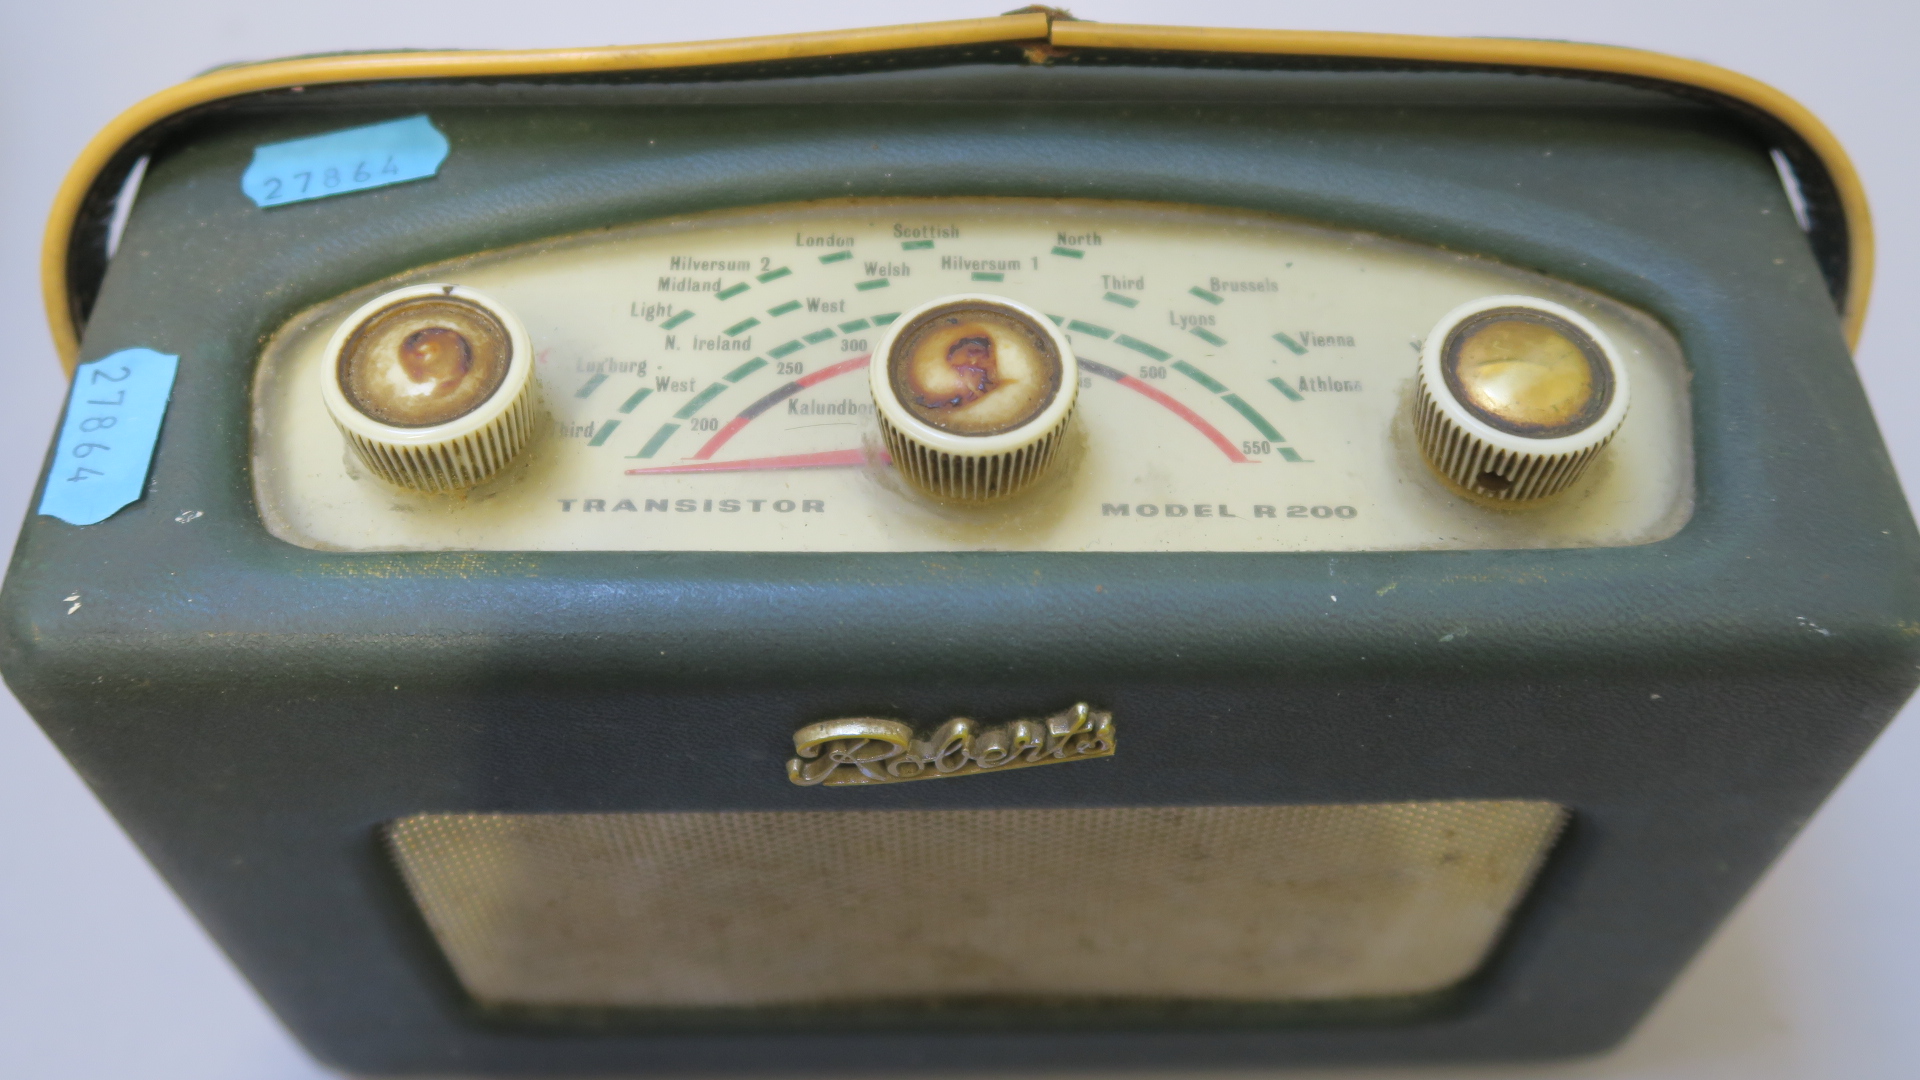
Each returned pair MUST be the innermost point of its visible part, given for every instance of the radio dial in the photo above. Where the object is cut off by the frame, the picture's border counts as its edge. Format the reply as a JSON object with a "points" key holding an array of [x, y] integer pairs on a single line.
{"points": [[974, 394], [1518, 396], [432, 387]]}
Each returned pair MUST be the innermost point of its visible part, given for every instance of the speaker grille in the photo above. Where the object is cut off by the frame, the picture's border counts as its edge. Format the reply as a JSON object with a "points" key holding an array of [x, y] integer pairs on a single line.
{"points": [[1241, 904]]}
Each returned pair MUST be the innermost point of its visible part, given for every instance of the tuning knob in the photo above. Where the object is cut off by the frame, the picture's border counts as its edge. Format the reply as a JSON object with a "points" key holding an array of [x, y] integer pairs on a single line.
{"points": [[974, 394], [1517, 396], [432, 386]]}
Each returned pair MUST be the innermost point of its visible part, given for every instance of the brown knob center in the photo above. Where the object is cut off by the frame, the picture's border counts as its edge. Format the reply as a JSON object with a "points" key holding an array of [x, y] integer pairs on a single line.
{"points": [[974, 368], [425, 361]]}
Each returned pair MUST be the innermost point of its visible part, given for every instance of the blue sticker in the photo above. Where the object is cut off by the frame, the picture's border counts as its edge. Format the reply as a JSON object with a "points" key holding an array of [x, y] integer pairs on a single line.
{"points": [[106, 444], [352, 160]]}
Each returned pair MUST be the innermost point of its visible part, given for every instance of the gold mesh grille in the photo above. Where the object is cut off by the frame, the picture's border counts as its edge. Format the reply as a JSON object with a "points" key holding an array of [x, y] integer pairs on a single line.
{"points": [[1246, 903]]}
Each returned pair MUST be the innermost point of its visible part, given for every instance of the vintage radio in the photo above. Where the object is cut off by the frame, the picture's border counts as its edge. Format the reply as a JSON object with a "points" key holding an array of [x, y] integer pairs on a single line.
{"points": [[1013, 543]]}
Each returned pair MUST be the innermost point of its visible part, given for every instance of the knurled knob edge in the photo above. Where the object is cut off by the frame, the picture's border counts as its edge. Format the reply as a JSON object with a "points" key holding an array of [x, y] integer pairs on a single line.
{"points": [[456, 455], [973, 468], [972, 478], [1462, 448]]}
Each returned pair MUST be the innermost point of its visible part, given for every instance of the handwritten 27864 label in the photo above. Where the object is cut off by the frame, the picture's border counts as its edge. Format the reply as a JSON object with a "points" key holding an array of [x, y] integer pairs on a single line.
{"points": [[114, 410], [342, 161]]}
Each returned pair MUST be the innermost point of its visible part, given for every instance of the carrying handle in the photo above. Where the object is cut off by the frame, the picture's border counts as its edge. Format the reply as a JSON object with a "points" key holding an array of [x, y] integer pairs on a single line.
{"points": [[73, 258]]}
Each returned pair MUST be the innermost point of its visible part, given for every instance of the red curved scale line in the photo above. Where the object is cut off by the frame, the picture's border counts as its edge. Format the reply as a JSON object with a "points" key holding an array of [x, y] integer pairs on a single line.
{"points": [[787, 390], [1212, 433], [720, 437], [753, 411], [832, 370]]}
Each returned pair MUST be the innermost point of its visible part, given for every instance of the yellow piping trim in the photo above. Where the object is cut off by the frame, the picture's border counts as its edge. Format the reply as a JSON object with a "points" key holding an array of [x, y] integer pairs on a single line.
{"points": [[1565, 56], [233, 82]]}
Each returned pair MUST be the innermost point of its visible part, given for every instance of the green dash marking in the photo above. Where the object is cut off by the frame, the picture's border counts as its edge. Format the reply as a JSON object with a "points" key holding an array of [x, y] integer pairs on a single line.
{"points": [[788, 349], [1207, 336], [741, 327], [1079, 327], [592, 385], [915, 245], [633, 402], [772, 274], [838, 256], [818, 336], [791, 305], [746, 369], [1298, 349], [659, 438], [988, 275], [1254, 417], [1123, 301], [1210, 298], [1290, 392], [1057, 320], [1289, 453], [676, 320], [1198, 376], [1071, 253], [600, 437], [850, 327], [873, 283], [699, 400], [732, 291], [1142, 347], [882, 320]]}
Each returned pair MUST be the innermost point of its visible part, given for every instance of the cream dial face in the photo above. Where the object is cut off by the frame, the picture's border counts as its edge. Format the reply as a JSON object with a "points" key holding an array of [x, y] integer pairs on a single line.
{"points": [[1246, 384]]}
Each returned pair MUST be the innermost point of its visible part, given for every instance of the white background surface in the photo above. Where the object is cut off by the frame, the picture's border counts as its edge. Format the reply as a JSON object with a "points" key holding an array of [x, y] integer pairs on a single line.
{"points": [[104, 975]]}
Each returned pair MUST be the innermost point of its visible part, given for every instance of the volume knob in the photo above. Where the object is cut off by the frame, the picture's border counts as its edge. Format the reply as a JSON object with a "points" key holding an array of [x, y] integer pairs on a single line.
{"points": [[1517, 396], [432, 386], [974, 394]]}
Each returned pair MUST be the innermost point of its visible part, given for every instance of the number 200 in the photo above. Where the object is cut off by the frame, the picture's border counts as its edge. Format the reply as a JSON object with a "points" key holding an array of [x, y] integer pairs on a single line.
{"points": [[1322, 511]]}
